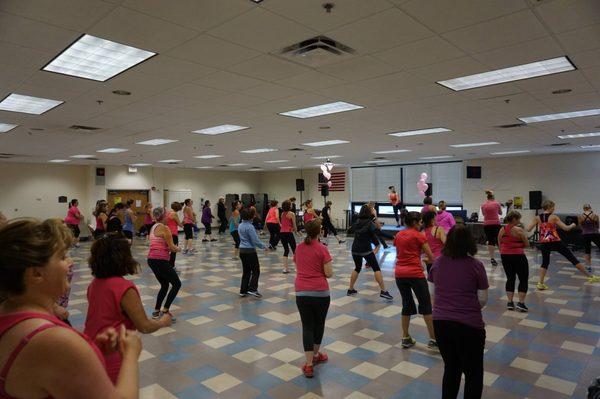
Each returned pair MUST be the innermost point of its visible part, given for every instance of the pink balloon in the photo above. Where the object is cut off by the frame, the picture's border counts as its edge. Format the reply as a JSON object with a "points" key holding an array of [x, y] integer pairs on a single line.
{"points": [[425, 187], [323, 168], [421, 185], [424, 176], [329, 184], [327, 175], [422, 194]]}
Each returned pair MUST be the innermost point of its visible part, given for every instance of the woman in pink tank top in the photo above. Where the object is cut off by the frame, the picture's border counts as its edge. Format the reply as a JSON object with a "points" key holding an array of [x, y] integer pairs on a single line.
{"points": [[173, 223], [59, 361], [309, 213], [288, 228], [273, 226], [491, 211], [436, 237], [513, 241]]}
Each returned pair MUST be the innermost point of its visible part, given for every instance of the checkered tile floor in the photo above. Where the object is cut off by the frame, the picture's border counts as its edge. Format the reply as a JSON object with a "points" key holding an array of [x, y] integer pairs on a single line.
{"points": [[229, 347]]}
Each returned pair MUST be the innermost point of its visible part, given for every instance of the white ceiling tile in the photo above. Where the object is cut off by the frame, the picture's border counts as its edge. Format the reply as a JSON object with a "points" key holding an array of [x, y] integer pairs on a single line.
{"points": [[562, 15], [423, 52], [271, 91], [268, 68], [574, 80], [521, 53], [387, 29], [238, 100], [208, 50], [228, 81], [500, 32], [442, 15], [196, 92], [311, 80], [393, 82], [165, 66], [360, 68], [583, 39], [449, 69]]}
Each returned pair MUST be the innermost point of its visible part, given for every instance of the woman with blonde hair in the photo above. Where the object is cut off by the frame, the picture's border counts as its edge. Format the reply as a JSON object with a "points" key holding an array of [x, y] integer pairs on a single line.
{"points": [[588, 221]]}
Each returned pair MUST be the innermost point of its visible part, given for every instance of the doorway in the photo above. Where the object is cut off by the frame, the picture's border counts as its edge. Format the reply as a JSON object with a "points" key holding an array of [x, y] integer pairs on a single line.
{"points": [[140, 199]]}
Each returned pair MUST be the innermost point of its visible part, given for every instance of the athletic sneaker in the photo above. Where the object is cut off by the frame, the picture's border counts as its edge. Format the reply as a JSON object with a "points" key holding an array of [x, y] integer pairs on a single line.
{"points": [[320, 358], [432, 344], [351, 292], [285, 271], [204, 240], [593, 279], [255, 294], [494, 263], [308, 371], [173, 318], [522, 308], [213, 240], [385, 295], [542, 286], [156, 314], [243, 294], [589, 269], [341, 241], [408, 342], [185, 251], [510, 305]]}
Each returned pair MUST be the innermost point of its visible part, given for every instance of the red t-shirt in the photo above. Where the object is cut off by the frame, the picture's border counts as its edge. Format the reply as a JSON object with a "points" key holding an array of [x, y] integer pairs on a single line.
{"points": [[491, 212], [104, 310], [409, 244], [310, 274], [393, 198]]}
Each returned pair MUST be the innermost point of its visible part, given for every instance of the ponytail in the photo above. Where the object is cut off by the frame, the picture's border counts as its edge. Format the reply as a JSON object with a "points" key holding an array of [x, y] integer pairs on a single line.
{"points": [[313, 229]]}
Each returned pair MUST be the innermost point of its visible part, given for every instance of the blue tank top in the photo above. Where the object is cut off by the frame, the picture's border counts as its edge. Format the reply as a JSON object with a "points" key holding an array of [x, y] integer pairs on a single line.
{"points": [[233, 223], [128, 226]]}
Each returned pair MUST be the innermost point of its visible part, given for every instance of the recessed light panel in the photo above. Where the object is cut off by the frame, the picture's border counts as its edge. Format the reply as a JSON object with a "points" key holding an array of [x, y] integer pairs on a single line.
{"points": [[258, 150], [563, 115], [474, 144], [237, 164], [390, 151], [113, 150], [170, 161], [204, 167], [157, 142], [141, 164], [519, 72], [510, 152], [6, 127], [220, 129], [287, 167], [327, 157], [590, 146], [319, 110], [98, 59], [82, 156], [277, 161], [579, 135], [378, 161], [324, 143], [438, 157], [27, 104], [210, 156], [58, 160], [420, 132]]}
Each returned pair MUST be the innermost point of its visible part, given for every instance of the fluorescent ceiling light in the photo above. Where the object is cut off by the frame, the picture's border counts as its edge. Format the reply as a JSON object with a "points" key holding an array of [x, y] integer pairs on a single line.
{"points": [[237, 164], [113, 150], [324, 143], [210, 156], [519, 72], [287, 167], [58, 160], [156, 142], [579, 135], [204, 167], [420, 131], [254, 170], [27, 104], [220, 129], [474, 144], [378, 161], [81, 156], [258, 150], [438, 157], [278, 161], [91, 57], [327, 157], [318, 110], [510, 152], [390, 151], [590, 146], [141, 164], [6, 127], [170, 161], [563, 115]]}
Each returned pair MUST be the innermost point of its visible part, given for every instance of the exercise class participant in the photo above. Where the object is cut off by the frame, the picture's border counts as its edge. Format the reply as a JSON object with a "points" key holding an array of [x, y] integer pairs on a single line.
{"points": [[148, 221], [115, 219], [73, 219], [101, 218], [379, 233], [222, 215], [234, 222], [159, 260], [40, 356], [436, 237], [459, 285], [588, 221], [550, 241], [309, 212], [273, 225], [114, 301], [513, 240], [293, 201], [427, 206], [189, 220], [328, 226], [288, 228], [410, 244], [364, 235], [444, 219], [130, 218], [173, 223], [491, 211], [313, 268], [206, 220], [249, 241], [396, 204]]}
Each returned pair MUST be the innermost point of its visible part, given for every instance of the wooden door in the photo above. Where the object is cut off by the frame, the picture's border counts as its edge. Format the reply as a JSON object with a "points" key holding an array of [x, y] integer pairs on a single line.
{"points": [[140, 199]]}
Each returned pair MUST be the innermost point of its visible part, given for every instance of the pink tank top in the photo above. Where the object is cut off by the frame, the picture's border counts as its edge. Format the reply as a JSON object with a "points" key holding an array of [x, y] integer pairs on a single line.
{"points": [[308, 217], [148, 219], [548, 231], [99, 224], [435, 244], [511, 245], [172, 224], [187, 219], [158, 246], [287, 225], [490, 210], [8, 321], [272, 215]]}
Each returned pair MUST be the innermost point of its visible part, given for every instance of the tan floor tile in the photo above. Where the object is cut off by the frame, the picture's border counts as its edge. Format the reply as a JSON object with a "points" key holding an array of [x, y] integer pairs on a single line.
{"points": [[221, 382]]}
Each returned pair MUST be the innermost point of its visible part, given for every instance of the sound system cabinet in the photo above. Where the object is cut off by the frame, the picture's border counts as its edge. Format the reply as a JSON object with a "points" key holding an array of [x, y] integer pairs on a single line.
{"points": [[247, 199], [262, 204], [535, 200], [299, 184], [229, 199]]}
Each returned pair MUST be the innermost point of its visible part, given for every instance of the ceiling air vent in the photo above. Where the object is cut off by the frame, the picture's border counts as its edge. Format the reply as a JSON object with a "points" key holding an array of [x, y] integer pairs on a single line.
{"points": [[296, 149], [511, 125], [6, 156], [379, 158], [317, 51], [85, 128], [559, 144]]}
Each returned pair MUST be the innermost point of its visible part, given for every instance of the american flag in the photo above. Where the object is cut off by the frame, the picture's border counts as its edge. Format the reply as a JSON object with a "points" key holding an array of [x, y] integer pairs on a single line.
{"points": [[338, 180]]}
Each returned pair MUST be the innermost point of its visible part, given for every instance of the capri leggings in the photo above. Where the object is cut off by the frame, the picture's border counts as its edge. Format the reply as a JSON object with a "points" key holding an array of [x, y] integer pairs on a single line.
{"points": [[561, 248], [288, 241], [236, 238], [515, 265], [588, 239], [369, 258]]}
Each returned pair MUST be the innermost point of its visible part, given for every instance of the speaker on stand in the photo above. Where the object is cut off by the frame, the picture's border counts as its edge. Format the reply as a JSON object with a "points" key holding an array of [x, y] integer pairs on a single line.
{"points": [[535, 202], [300, 188]]}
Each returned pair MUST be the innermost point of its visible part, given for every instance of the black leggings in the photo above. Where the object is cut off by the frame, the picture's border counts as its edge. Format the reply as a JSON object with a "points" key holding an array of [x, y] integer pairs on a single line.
{"points": [[165, 274], [588, 239], [313, 312], [174, 254], [561, 248], [371, 260], [250, 273], [419, 286], [188, 230], [223, 224], [207, 229], [515, 265], [396, 209], [288, 241], [274, 229], [328, 228], [461, 347], [75, 230], [236, 238]]}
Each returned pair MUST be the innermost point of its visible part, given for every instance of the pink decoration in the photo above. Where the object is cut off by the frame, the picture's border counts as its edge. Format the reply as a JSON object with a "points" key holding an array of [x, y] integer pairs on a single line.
{"points": [[323, 168], [327, 175], [329, 184], [424, 176]]}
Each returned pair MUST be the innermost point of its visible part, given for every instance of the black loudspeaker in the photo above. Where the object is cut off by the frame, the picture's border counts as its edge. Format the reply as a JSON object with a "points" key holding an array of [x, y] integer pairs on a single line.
{"points": [[229, 199], [429, 191], [325, 190], [262, 204], [535, 200], [299, 184], [473, 172], [247, 199]]}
